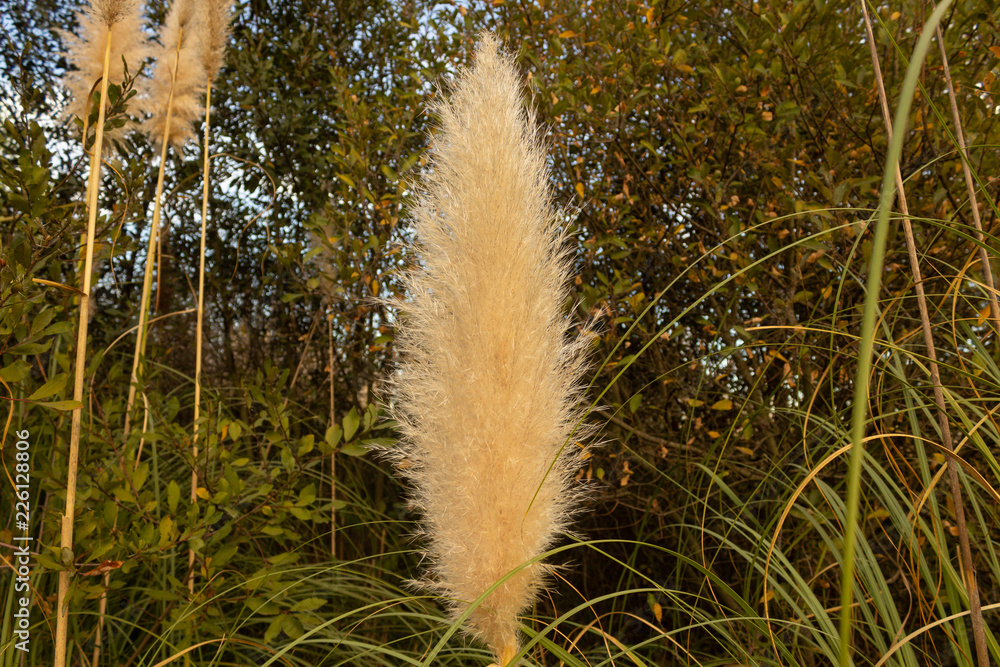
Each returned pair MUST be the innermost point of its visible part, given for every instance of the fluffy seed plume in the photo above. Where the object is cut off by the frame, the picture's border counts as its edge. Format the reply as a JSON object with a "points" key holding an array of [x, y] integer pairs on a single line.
{"points": [[86, 51], [180, 54], [216, 16], [488, 385]]}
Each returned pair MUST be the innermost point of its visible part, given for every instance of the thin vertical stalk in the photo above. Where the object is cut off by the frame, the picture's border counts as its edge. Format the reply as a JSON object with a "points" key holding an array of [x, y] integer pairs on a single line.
{"points": [[984, 257], [333, 453], [200, 322], [79, 369], [859, 408], [925, 325], [147, 281]]}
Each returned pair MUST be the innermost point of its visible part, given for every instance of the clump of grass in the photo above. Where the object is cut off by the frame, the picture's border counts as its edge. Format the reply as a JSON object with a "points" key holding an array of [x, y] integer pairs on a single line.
{"points": [[487, 390]]}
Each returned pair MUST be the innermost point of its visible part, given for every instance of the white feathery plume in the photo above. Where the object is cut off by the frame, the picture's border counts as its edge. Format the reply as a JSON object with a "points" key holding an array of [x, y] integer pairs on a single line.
{"points": [[489, 381], [86, 51], [174, 90], [216, 16]]}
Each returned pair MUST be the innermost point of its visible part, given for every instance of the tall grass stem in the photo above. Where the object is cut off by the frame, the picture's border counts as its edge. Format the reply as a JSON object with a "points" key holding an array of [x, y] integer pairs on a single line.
{"points": [[859, 408], [200, 319], [925, 324], [80, 366], [147, 281]]}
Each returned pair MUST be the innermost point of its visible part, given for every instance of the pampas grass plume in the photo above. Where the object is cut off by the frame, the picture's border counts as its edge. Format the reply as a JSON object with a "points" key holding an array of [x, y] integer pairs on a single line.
{"points": [[489, 381], [86, 51], [216, 17], [180, 53]]}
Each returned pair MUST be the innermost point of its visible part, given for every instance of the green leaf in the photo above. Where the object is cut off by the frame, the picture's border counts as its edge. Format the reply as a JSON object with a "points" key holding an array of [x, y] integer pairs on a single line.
{"points": [[259, 605], [173, 495], [351, 422], [301, 514], [293, 627], [29, 348], [16, 371], [63, 406], [223, 555], [353, 450], [273, 629], [309, 604], [166, 531], [50, 388], [307, 496], [139, 476]]}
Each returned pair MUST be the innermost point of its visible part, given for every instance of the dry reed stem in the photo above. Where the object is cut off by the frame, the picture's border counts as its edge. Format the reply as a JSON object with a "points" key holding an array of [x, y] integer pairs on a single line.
{"points": [[984, 257], [80, 366], [215, 16], [200, 319], [956, 489], [486, 394], [147, 281], [333, 454]]}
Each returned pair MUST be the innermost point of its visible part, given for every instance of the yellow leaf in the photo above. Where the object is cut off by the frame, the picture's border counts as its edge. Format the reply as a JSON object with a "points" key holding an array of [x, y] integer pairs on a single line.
{"points": [[657, 607], [203, 493], [695, 403], [714, 434], [983, 315], [567, 34], [995, 50], [767, 597], [745, 450], [649, 20], [579, 189], [724, 404]]}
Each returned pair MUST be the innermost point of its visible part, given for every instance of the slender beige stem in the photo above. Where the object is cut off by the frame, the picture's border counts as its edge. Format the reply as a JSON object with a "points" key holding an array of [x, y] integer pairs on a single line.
{"points": [[984, 256], [79, 368], [956, 489], [147, 281], [200, 323], [102, 609], [333, 454]]}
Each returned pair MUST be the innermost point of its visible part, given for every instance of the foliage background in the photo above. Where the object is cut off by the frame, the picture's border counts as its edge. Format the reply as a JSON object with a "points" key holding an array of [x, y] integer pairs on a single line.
{"points": [[721, 161]]}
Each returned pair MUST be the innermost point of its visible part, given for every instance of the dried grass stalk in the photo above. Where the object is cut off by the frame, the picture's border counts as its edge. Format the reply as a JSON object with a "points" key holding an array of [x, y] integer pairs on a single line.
{"points": [[215, 19], [487, 391]]}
